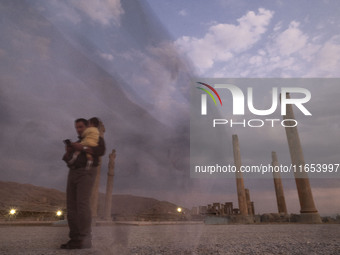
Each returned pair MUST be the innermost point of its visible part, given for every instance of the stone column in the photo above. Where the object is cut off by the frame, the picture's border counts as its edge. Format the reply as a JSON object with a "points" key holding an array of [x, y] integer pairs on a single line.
{"points": [[241, 194], [95, 190], [250, 211], [280, 197], [252, 208], [109, 185], [309, 213]]}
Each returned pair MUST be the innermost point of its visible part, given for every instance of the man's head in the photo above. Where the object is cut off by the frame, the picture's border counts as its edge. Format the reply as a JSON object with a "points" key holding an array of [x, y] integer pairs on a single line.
{"points": [[80, 125]]}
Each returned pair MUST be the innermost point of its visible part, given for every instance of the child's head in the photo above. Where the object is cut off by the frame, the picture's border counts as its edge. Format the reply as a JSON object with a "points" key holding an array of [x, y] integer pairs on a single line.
{"points": [[94, 122]]}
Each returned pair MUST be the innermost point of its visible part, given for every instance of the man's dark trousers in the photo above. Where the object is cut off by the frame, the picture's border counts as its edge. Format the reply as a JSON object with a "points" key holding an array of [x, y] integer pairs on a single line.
{"points": [[79, 188]]}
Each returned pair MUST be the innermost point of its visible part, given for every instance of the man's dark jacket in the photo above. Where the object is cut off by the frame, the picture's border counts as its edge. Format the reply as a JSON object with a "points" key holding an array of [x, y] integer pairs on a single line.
{"points": [[81, 160]]}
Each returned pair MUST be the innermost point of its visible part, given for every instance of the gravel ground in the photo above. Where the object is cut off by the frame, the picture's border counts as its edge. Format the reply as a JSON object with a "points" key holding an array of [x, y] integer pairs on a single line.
{"points": [[179, 239]]}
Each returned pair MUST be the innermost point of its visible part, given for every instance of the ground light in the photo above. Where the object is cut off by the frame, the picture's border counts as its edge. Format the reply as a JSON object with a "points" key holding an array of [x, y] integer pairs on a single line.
{"points": [[12, 211]]}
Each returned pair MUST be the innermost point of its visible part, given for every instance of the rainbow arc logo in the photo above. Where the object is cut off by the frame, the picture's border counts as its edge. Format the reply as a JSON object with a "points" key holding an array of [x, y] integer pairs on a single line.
{"points": [[209, 93]]}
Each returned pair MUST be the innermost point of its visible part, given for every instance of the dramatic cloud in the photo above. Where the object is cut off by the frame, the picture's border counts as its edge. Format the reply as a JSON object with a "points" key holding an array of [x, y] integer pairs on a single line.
{"points": [[327, 60], [291, 40], [257, 48], [222, 41]]}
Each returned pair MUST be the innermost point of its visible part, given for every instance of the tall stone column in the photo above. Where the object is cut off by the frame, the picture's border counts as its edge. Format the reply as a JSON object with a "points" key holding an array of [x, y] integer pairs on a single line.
{"points": [[280, 197], [95, 190], [309, 213], [250, 211], [109, 185], [241, 194]]}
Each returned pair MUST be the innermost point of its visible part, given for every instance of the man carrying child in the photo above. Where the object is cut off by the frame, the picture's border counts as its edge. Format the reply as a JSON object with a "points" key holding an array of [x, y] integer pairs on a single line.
{"points": [[82, 158]]}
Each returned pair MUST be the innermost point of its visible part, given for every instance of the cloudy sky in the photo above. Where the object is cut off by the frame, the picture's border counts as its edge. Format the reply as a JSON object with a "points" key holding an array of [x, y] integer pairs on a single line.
{"points": [[130, 63]]}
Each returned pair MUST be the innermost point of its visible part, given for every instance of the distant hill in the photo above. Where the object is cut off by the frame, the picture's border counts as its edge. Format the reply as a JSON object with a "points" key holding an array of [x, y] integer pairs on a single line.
{"points": [[27, 197]]}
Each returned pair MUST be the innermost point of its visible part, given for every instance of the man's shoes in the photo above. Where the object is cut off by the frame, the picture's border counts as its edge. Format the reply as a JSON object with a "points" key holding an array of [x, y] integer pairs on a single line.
{"points": [[72, 244], [86, 244], [75, 244]]}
